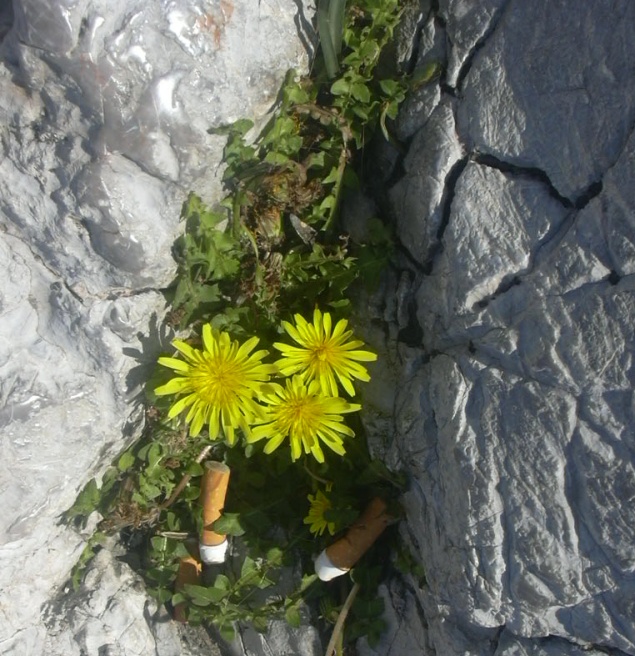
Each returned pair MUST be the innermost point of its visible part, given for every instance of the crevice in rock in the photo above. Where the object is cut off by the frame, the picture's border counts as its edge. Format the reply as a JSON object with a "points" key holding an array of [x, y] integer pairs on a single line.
{"points": [[412, 334], [478, 46], [531, 172], [505, 285], [306, 30], [535, 173], [450, 182], [412, 261], [409, 66], [6, 19]]}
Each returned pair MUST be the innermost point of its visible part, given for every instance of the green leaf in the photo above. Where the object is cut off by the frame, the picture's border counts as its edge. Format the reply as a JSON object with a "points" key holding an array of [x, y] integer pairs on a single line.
{"points": [[427, 73], [125, 461], [240, 127], [326, 14], [274, 157], [195, 469], [274, 556], [159, 543], [248, 567], [163, 595], [360, 92], [296, 94], [292, 615], [389, 87], [227, 632], [341, 87], [260, 623], [178, 598], [202, 596], [221, 582], [229, 524]]}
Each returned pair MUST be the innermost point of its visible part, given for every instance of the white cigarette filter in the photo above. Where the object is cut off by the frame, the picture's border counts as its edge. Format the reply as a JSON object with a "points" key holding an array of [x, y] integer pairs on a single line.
{"points": [[213, 554], [325, 569]]}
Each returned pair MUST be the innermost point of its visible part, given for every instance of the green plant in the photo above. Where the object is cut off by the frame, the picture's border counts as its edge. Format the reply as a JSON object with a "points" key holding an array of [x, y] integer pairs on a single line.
{"points": [[271, 250]]}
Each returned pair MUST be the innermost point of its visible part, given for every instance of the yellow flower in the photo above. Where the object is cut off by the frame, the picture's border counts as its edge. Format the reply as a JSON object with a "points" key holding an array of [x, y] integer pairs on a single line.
{"points": [[305, 416], [218, 384], [316, 520], [324, 355]]}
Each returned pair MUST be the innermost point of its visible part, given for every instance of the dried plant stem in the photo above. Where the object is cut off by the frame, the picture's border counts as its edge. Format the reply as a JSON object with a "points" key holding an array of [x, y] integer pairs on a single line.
{"points": [[341, 618], [185, 480]]}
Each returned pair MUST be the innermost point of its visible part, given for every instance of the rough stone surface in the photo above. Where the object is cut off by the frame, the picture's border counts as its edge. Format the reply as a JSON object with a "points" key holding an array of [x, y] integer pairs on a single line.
{"points": [[104, 111], [111, 614], [513, 319], [506, 330]]}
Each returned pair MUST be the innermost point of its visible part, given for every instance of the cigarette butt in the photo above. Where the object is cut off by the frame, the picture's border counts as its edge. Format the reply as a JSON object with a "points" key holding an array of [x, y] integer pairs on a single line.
{"points": [[213, 492], [189, 573], [344, 553]]}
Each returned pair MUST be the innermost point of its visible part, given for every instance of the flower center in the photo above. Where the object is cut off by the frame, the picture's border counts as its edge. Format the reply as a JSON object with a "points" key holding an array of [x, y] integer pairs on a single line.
{"points": [[217, 381], [321, 353], [299, 414]]}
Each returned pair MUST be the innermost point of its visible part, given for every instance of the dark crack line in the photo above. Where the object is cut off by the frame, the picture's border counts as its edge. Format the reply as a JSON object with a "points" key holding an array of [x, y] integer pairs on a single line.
{"points": [[478, 46], [535, 173], [410, 65], [451, 180]]}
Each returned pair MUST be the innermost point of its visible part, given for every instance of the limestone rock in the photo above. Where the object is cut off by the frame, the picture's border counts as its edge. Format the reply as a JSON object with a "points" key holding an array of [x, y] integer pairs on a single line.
{"points": [[104, 111], [552, 88], [111, 614], [433, 155], [514, 410]]}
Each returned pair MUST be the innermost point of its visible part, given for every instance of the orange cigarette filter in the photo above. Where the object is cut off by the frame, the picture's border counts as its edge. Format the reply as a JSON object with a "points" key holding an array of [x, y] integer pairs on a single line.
{"points": [[189, 573], [213, 493], [360, 537]]}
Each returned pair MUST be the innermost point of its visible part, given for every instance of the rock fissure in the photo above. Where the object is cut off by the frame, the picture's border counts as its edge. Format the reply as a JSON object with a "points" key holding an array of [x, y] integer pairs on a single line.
{"points": [[466, 66], [530, 172]]}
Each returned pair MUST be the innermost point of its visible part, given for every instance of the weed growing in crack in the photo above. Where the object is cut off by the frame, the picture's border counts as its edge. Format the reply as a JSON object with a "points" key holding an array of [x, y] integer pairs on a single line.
{"points": [[270, 259]]}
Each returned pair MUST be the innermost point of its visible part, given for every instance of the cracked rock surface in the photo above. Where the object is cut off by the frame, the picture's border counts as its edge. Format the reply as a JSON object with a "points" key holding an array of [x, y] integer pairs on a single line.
{"points": [[104, 111], [511, 329]]}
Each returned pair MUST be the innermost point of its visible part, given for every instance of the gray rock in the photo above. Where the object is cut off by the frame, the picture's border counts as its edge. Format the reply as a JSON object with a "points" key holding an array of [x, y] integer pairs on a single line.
{"points": [[433, 155], [281, 640], [111, 614], [510, 645], [514, 410], [553, 89], [468, 25], [420, 103], [104, 111]]}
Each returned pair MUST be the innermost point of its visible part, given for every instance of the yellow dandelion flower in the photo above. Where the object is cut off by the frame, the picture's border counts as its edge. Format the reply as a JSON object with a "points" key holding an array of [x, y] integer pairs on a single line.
{"points": [[316, 520], [217, 384], [306, 417], [324, 354]]}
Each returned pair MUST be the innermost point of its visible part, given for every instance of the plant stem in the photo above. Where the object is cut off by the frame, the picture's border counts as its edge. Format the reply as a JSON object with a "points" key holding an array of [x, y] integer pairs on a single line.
{"points": [[185, 480], [341, 618]]}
